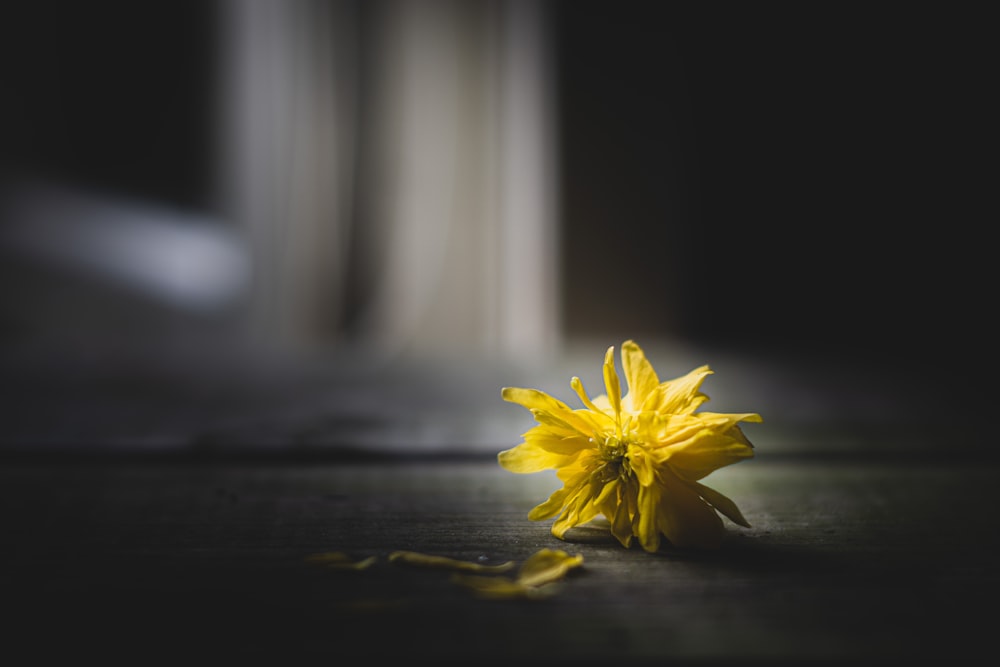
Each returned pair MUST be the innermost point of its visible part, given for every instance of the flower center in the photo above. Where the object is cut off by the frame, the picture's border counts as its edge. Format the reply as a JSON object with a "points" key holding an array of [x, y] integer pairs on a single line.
{"points": [[613, 453]]}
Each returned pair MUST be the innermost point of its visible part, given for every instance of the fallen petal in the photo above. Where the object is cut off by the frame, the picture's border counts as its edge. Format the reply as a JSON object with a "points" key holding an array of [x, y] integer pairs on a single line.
{"points": [[338, 560], [546, 566], [443, 562]]}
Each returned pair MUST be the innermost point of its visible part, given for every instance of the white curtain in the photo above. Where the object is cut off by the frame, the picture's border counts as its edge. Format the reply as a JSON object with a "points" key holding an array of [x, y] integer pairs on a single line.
{"points": [[393, 164]]}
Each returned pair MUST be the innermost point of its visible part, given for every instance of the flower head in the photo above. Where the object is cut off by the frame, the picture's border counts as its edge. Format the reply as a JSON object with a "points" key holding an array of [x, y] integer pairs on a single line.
{"points": [[635, 458]]}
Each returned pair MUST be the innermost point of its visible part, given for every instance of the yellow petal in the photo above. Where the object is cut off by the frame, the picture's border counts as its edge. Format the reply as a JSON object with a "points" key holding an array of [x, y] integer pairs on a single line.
{"points": [[501, 588], [588, 510], [729, 423], [608, 492], [577, 386], [617, 509], [562, 425], [528, 458], [639, 375], [686, 519], [704, 453], [722, 503], [570, 518], [737, 433], [536, 577], [602, 403], [732, 417], [533, 400], [555, 444], [328, 557], [546, 566], [597, 422], [621, 525], [550, 507], [338, 560], [612, 384], [645, 523], [666, 431], [681, 396], [642, 465], [581, 506], [445, 563]]}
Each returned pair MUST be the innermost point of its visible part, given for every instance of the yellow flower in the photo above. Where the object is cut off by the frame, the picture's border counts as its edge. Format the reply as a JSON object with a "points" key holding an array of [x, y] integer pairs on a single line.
{"points": [[635, 459]]}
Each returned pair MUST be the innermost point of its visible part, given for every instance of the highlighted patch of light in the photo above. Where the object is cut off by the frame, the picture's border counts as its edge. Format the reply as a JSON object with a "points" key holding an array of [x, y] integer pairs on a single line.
{"points": [[182, 259]]}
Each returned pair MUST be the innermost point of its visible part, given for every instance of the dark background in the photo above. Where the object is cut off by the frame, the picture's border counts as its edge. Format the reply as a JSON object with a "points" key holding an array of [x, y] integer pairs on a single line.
{"points": [[111, 95], [777, 179], [780, 176]]}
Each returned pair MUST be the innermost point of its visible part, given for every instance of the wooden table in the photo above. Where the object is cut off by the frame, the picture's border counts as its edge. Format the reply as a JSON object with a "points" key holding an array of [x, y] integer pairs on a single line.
{"points": [[139, 559]]}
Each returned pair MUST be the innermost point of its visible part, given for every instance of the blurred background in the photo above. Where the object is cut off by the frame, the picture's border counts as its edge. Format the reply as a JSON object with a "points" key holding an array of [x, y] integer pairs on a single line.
{"points": [[301, 226]]}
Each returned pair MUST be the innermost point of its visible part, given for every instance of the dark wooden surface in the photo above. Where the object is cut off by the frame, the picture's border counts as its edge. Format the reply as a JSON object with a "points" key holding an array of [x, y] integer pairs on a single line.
{"points": [[163, 512], [136, 560]]}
